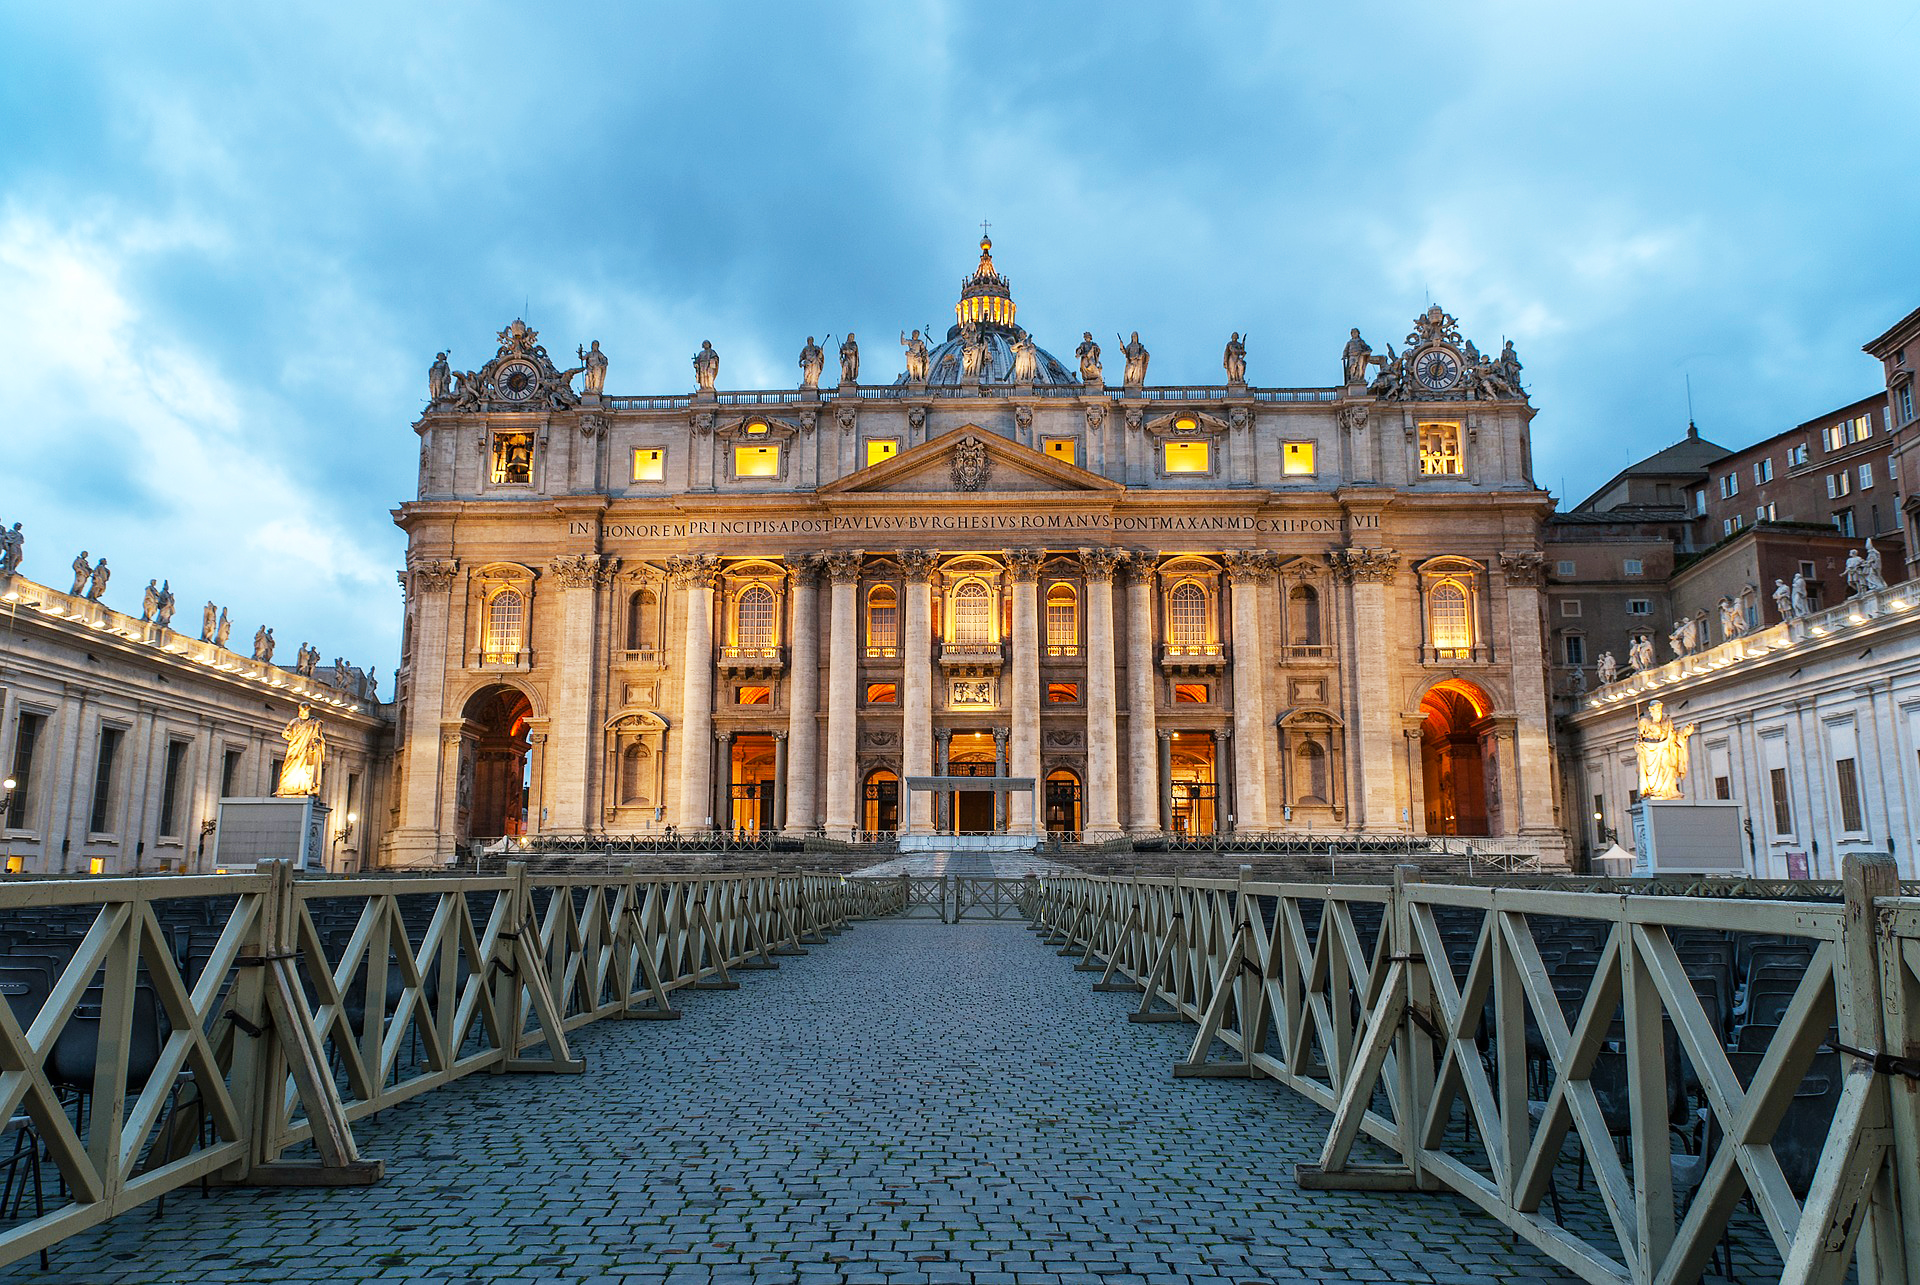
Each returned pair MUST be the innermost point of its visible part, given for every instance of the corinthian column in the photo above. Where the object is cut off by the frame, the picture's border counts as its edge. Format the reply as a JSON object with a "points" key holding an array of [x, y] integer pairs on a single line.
{"points": [[803, 722], [916, 678], [1102, 818], [1248, 570], [1369, 572], [1143, 743], [694, 576], [426, 830], [571, 749], [1024, 699], [843, 674], [1527, 809]]}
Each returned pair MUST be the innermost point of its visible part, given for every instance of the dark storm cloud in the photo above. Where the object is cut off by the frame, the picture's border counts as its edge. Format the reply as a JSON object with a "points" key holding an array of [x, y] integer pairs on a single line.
{"points": [[231, 243]]}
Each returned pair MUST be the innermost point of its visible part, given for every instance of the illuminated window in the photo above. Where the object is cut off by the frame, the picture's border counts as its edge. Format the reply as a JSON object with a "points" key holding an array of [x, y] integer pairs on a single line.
{"points": [[882, 694], [16, 865], [513, 459], [883, 621], [973, 615], [881, 449], [1185, 457], [96, 865], [1187, 615], [753, 695], [1063, 693], [1190, 694], [1296, 459], [1063, 621], [756, 461], [1449, 625], [1060, 448], [753, 618], [1440, 449], [506, 630], [649, 464], [756, 428]]}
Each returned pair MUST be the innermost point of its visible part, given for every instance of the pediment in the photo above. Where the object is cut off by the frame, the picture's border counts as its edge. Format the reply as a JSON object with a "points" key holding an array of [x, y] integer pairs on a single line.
{"points": [[970, 459]]}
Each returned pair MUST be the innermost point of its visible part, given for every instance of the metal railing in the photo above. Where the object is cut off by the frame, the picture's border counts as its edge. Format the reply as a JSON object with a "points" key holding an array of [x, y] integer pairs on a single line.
{"points": [[163, 1031], [1497, 1041]]}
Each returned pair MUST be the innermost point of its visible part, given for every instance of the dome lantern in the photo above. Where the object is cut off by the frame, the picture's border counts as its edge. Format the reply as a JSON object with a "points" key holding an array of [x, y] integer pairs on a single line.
{"points": [[986, 297]]}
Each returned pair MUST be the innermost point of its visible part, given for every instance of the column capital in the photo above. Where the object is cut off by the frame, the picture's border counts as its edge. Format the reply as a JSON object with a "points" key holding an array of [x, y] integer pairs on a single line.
{"points": [[1166, 737], [944, 735], [432, 575], [779, 734], [696, 571], [805, 568], [1025, 564], [1249, 565], [1523, 567], [999, 736], [917, 564], [1099, 564], [1357, 565], [1223, 734], [722, 735], [843, 565], [583, 570], [1142, 564]]}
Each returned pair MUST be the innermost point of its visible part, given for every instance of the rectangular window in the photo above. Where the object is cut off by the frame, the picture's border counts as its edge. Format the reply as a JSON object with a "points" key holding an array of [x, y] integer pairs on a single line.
{"points": [[1296, 459], [1440, 450], [1567, 569], [1064, 449], [1782, 804], [1764, 513], [26, 740], [1906, 403], [273, 775], [1599, 819], [512, 459], [882, 694], [1763, 470], [1185, 457], [1190, 694], [101, 814], [756, 461], [229, 771], [1700, 503], [1848, 778], [756, 695], [1063, 693], [649, 464], [1576, 649], [881, 449], [1843, 521], [1570, 607], [1866, 477], [1632, 567], [170, 789], [1639, 606], [1722, 788], [1729, 485], [1797, 455], [1862, 427]]}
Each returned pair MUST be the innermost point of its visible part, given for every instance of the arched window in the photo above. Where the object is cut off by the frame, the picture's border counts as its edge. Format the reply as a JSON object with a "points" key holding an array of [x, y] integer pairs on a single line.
{"points": [[636, 772], [1306, 616], [753, 618], [972, 615], [1063, 621], [642, 612], [506, 629], [1187, 615], [1449, 624], [883, 620], [1312, 781]]}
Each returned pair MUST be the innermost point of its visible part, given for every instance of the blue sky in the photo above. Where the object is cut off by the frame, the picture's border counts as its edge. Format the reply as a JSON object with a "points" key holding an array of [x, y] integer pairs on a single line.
{"points": [[233, 236]]}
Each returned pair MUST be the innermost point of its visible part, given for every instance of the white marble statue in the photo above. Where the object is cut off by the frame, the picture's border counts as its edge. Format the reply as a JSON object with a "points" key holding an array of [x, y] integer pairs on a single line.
{"points": [[222, 630], [1137, 356], [1640, 653], [812, 362], [1356, 357], [1234, 360], [163, 612], [1661, 751], [98, 580], [439, 379], [594, 362], [82, 572], [150, 600], [706, 366], [1783, 599], [13, 547], [260, 643], [973, 353], [1579, 685], [1873, 576], [917, 357], [1089, 354], [1853, 573], [209, 620], [1680, 639], [1026, 358], [849, 360], [1802, 608], [1607, 668], [306, 756], [1733, 619]]}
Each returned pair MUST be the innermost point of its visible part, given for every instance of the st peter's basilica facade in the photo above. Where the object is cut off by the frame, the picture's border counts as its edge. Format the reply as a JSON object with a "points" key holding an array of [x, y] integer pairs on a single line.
{"points": [[995, 595]]}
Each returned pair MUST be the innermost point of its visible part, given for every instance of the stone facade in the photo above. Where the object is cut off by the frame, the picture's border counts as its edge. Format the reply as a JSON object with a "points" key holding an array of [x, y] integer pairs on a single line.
{"points": [[1173, 608], [122, 736]]}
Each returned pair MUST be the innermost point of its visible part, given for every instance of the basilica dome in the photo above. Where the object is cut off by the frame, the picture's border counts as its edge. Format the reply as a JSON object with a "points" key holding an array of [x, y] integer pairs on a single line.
{"points": [[986, 305]]}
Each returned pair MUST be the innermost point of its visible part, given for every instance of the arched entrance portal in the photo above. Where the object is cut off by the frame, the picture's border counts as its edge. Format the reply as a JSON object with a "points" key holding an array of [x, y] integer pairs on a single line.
{"points": [[1063, 802], [492, 793], [1456, 749]]}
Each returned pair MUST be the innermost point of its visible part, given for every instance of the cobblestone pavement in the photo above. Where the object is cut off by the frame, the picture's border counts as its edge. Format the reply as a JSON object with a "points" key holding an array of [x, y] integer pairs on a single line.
{"points": [[913, 1102]]}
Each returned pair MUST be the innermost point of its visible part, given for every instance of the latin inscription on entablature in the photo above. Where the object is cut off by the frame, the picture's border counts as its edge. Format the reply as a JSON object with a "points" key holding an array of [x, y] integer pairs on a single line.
{"points": [[986, 523]]}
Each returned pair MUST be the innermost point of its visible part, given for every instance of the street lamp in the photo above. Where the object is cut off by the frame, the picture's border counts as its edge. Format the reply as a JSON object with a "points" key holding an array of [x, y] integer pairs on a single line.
{"points": [[6, 810], [1608, 835]]}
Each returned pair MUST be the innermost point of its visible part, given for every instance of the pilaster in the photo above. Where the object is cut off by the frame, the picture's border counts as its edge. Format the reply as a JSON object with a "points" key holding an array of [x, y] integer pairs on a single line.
{"points": [[1368, 572], [1248, 570], [1145, 745], [1102, 812], [843, 674], [425, 835], [803, 699], [916, 677], [572, 742], [1528, 809], [694, 577], [1024, 695]]}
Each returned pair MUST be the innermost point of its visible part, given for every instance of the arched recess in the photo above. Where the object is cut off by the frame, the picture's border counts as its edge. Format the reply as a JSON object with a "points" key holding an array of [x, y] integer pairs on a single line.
{"points": [[1313, 765], [493, 772], [635, 773], [880, 802], [1457, 757], [500, 616]]}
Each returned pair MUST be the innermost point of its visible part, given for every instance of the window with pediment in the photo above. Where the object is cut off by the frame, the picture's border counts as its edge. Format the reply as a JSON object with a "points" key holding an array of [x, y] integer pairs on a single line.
{"points": [[753, 617], [643, 620], [1188, 612], [505, 634], [1063, 620], [883, 621], [972, 614], [499, 614], [1451, 602]]}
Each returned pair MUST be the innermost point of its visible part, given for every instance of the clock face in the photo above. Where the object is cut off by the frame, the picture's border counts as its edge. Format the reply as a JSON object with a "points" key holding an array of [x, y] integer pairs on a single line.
{"points": [[1437, 369], [516, 381]]}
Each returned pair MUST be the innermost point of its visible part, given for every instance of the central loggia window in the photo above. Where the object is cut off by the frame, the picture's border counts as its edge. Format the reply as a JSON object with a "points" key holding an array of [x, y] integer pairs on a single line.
{"points": [[1187, 615], [973, 615], [506, 627], [754, 616]]}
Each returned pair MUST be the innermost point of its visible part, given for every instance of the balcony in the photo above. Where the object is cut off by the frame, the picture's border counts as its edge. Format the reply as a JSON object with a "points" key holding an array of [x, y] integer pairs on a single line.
{"points": [[747, 662], [1194, 658], [972, 659]]}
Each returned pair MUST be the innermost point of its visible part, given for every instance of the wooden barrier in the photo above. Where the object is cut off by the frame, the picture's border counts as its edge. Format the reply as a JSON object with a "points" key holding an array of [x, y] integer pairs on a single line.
{"points": [[1448, 1026], [164, 1031]]}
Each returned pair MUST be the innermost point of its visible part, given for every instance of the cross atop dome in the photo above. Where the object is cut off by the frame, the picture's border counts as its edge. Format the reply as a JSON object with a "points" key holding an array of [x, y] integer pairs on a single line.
{"points": [[986, 297]]}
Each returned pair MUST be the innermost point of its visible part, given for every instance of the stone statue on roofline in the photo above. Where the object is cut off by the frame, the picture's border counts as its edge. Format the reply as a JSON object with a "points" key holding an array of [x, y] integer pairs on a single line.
{"points": [[163, 612], [222, 630], [1607, 669], [439, 379], [594, 362], [1783, 599], [918, 358], [1802, 601], [706, 366], [1089, 354], [99, 581], [1234, 361], [812, 362], [150, 600], [1137, 357], [1873, 576], [1355, 358], [82, 572], [849, 360], [1026, 358], [13, 547]]}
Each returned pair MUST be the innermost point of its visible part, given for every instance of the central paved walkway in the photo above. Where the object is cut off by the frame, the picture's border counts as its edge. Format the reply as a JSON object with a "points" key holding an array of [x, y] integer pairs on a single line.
{"points": [[913, 1102]]}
